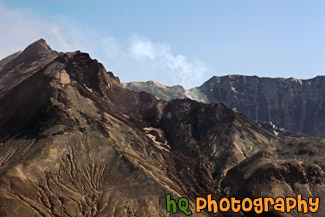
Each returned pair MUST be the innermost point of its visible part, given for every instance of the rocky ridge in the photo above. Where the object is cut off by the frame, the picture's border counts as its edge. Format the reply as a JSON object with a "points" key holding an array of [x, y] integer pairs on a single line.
{"points": [[293, 104]]}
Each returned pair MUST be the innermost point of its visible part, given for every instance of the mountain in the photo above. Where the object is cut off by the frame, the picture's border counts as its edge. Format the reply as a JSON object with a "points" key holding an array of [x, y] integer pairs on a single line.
{"points": [[293, 104], [74, 142]]}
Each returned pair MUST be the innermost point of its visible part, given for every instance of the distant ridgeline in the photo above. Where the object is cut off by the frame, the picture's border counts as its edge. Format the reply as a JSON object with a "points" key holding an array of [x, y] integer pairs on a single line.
{"points": [[296, 105]]}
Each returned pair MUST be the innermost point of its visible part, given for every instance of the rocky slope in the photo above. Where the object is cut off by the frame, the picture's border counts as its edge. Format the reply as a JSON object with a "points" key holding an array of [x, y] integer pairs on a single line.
{"points": [[279, 131], [74, 142], [294, 104]]}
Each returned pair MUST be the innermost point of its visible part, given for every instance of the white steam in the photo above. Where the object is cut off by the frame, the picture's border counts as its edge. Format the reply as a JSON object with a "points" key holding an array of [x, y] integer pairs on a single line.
{"points": [[137, 59]]}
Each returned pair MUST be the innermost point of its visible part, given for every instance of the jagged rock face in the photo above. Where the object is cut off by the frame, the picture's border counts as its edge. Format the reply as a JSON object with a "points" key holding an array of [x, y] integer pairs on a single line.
{"points": [[296, 105], [74, 142], [293, 104]]}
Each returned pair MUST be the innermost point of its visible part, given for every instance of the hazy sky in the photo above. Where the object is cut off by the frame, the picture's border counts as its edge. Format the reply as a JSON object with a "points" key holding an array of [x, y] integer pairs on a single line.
{"points": [[176, 41]]}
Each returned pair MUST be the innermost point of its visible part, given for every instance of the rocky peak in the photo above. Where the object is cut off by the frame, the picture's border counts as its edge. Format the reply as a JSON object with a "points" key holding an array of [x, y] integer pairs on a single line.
{"points": [[39, 46], [15, 68], [83, 69], [39, 50], [35, 51]]}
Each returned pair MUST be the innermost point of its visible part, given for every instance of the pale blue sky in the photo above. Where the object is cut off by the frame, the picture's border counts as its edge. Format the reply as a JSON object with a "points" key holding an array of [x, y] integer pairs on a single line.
{"points": [[178, 41]]}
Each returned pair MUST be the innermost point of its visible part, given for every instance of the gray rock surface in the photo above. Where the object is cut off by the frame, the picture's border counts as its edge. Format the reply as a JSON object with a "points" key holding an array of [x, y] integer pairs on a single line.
{"points": [[293, 104]]}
